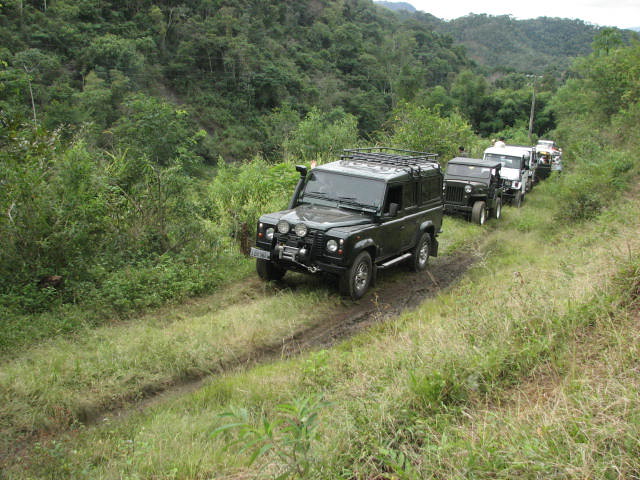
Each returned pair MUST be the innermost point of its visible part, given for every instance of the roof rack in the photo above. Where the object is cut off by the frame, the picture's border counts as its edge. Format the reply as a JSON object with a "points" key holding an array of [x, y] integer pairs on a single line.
{"points": [[409, 160]]}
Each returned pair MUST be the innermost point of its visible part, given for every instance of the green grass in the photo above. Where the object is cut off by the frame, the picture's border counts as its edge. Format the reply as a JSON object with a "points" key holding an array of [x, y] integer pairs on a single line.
{"points": [[72, 379], [527, 368]]}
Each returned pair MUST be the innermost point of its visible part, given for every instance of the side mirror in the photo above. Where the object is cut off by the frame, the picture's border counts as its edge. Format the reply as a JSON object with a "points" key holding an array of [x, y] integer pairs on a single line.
{"points": [[302, 170], [393, 209]]}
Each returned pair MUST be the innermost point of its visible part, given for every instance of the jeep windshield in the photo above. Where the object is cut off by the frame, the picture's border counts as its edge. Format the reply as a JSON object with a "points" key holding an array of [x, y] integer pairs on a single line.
{"points": [[468, 171], [329, 188], [507, 161]]}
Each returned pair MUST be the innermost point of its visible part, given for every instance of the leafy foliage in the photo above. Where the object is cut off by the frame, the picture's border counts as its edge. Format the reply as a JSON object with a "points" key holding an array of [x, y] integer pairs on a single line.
{"points": [[420, 128], [289, 437]]}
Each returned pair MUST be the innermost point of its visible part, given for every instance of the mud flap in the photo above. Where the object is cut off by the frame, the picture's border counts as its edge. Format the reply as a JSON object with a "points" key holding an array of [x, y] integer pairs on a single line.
{"points": [[433, 250]]}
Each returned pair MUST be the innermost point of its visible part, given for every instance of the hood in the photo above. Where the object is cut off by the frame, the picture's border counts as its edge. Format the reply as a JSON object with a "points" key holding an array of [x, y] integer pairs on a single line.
{"points": [[510, 173], [319, 217], [454, 180]]}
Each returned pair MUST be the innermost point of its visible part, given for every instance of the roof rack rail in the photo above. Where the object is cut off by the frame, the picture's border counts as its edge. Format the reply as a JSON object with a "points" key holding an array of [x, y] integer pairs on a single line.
{"points": [[410, 160]]}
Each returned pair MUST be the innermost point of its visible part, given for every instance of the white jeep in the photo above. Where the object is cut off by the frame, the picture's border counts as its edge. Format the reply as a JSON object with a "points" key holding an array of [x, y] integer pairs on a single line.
{"points": [[516, 170]]}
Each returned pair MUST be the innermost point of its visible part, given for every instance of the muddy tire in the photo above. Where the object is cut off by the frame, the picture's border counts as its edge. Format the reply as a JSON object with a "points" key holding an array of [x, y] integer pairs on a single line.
{"points": [[496, 211], [356, 280], [479, 212], [268, 271], [420, 258]]}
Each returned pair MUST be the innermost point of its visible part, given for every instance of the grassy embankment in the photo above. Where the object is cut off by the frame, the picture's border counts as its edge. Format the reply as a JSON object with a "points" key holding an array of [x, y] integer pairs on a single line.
{"points": [[525, 368]]}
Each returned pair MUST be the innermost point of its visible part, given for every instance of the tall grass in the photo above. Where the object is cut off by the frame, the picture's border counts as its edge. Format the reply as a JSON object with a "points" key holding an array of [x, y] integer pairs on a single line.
{"points": [[67, 381]]}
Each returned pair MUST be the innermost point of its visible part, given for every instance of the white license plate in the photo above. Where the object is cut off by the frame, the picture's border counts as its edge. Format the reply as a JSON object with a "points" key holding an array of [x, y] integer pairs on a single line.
{"points": [[259, 253]]}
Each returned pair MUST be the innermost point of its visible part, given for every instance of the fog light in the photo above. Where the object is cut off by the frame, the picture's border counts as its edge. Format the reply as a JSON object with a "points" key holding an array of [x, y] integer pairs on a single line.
{"points": [[283, 227]]}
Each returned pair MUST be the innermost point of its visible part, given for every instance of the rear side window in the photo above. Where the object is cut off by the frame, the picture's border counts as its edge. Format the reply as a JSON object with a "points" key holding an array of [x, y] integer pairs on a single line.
{"points": [[409, 197], [431, 189]]}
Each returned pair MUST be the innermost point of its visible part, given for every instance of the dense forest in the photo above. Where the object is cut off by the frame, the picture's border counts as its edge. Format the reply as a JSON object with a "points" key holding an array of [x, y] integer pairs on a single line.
{"points": [[120, 123]]}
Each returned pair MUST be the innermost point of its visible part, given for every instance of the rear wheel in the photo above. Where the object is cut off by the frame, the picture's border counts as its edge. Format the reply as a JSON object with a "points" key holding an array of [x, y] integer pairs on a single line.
{"points": [[479, 212], [420, 257], [356, 280], [268, 271], [496, 212]]}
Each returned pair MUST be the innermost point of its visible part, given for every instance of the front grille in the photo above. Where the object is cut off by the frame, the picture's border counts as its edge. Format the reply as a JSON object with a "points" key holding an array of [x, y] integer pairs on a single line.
{"points": [[317, 242], [313, 240], [454, 193]]}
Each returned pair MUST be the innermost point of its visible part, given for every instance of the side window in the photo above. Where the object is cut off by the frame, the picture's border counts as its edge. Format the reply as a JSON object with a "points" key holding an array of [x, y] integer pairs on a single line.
{"points": [[409, 195], [394, 195], [431, 189]]}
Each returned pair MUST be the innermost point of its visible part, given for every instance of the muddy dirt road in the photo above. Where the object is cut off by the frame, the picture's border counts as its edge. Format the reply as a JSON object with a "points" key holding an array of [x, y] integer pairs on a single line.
{"points": [[397, 290]]}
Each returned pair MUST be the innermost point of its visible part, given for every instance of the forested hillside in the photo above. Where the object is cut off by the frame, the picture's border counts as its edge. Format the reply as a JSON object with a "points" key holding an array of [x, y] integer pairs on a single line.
{"points": [[244, 71], [530, 46]]}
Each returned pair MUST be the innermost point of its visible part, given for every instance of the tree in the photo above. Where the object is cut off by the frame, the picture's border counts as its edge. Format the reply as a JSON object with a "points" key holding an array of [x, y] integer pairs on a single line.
{"points": [[158, 130], [606, 40], [416, 127], [322, 134]]}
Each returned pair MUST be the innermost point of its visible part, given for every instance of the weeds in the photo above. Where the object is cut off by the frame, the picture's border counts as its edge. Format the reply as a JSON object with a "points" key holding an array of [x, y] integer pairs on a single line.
{"points": [[288, 437]]}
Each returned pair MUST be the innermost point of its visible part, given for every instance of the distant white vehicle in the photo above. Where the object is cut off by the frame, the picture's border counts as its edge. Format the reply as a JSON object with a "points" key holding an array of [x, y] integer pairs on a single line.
{"points": [[549, 157], [515, 172]]}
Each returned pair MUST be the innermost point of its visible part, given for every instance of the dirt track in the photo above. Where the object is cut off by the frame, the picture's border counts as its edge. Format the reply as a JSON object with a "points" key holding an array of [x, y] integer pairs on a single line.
{"points": [[397, 290]]}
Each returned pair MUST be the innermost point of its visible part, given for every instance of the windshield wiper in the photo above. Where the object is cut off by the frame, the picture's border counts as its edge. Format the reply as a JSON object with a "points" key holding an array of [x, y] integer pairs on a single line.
{"points": [[315, 194], [356, 206]]}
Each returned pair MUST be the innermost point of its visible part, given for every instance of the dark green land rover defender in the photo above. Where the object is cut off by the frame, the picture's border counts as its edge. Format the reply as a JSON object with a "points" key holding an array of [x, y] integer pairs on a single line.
{"points": [[373, 208]]}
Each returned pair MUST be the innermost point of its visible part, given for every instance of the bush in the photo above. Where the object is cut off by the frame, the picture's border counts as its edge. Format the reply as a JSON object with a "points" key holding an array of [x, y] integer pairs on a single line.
{"points": [[415, 127], [240, 193]]}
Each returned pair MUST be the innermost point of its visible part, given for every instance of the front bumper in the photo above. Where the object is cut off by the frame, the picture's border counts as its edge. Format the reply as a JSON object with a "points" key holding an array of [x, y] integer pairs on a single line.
{"points": [[457, 208], [299, 255]]}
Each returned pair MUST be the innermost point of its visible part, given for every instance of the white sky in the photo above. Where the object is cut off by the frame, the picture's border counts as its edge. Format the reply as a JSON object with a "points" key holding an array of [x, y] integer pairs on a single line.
{"points": [[613, 13]]}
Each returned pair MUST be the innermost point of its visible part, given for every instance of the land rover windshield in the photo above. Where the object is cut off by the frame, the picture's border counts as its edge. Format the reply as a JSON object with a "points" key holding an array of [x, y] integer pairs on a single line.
{"points": [[327, 188], [469, 171], [507, 161]]}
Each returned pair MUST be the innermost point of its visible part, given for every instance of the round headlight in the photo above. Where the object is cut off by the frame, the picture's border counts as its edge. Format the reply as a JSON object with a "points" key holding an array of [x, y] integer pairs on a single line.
{"points": [[300, 229], [468, 188], [269, 233], [332, 246], [283, 227]]}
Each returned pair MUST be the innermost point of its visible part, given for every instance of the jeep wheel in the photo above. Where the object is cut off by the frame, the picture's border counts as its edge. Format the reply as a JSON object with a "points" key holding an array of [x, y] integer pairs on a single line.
{"points": [[479, 212], [268, 271], [420, 257], [518, 199], [355, 281], [496, 211]]}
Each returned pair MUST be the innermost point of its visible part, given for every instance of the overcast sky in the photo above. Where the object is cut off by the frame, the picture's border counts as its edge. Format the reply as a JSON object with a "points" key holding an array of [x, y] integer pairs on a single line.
{"points": [[614, 13]]}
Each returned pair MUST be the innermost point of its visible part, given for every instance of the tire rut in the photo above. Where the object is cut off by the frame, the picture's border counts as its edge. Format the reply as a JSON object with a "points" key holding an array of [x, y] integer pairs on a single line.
{"points": [[396, 291]]}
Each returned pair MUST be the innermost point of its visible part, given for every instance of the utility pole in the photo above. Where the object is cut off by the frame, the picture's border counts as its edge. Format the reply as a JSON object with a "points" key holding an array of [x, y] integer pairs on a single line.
{"points": [[533, 107], [533, 104]]}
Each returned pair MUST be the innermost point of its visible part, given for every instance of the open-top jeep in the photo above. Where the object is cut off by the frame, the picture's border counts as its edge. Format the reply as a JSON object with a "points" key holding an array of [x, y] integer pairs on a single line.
{"points": [[472, 186], [371, 209]]}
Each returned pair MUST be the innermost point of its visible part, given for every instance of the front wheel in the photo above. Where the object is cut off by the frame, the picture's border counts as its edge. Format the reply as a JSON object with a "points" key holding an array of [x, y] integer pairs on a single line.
{"points": [[268, 271], [518, 199], [420, 257], [356, 280], [479, 212], [496, 212]]}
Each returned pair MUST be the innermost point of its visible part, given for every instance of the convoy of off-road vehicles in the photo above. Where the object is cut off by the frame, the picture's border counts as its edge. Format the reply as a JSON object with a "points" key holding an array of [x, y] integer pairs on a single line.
{"points": [[374, 208]]}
